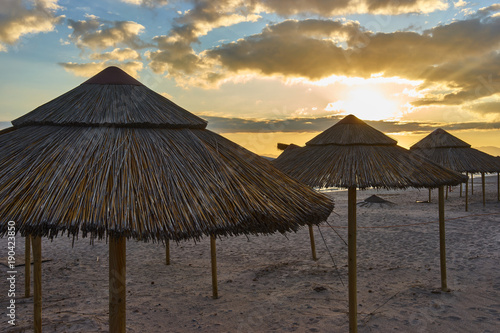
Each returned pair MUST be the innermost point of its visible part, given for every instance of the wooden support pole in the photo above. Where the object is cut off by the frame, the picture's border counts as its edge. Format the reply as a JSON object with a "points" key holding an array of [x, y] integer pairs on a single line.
{"points": [[351, 249], [37, 284], [27, 265], [472, 183], [117, 284], [467, 193], [483, 181], [460, 190], [442, 240], [430, 192], [213, 255], [498, 185], [313, 245], [167, 252]]}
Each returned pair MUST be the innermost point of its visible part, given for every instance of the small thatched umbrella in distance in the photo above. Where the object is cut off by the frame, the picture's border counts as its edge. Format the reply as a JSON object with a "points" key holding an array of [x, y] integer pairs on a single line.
{"points": [[113, 159], [352, 154], [449, 151]]}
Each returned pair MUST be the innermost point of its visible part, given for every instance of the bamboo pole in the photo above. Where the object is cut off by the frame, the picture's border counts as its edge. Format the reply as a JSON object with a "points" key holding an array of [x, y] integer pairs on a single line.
{"points": [[430, 192], [27, 265], [37, 285], [213, 254], [313, 245], [117, 284], [467, 193], [442, 240], [351, 239], [167, 252], [483, 181]]}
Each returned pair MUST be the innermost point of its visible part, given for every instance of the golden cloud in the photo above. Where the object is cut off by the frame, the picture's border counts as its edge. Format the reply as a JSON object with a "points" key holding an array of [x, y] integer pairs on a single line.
{"points": [[16, 20], [117, 54], [94, 33], [461, 56]]}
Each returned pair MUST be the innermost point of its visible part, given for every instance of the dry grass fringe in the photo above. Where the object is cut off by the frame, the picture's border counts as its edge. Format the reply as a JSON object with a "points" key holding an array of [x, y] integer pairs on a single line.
{"points": [[363, 166], [148, 184]]}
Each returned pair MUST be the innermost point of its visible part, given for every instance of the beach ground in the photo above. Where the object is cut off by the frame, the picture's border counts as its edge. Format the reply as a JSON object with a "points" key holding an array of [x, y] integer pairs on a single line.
{"points": [[271, 283]]}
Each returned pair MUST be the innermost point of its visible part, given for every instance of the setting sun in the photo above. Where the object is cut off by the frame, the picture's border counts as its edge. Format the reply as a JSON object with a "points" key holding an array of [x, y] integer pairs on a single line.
{"points": [[367, 104]]}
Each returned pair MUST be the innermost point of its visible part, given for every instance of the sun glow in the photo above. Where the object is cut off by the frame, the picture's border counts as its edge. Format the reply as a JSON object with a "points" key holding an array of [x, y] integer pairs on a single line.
{"points": [[367, 104]]}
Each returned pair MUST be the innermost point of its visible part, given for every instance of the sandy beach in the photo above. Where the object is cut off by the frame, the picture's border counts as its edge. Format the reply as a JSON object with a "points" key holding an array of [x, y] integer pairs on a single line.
{"points": [[270, 283]]}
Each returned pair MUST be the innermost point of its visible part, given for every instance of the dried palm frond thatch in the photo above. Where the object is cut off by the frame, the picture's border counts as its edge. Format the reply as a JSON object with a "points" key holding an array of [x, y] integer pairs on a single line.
{"points": [[120, 159], [352, 153], [449, 151]]}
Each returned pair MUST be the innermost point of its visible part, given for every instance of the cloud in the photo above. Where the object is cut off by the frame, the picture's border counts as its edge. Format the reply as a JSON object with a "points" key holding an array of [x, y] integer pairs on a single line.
{"points": [[486, 108], [486, 11], [175, 54], [176, 57], [97, 34], [117, 54], [461, 58], [328, 8], [17, 20], [91, 69], [237, 125], [147, 3]]}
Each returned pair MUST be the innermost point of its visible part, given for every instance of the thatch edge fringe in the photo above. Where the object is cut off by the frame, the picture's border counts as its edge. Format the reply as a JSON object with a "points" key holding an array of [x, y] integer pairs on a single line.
{"points": [[46, 229], [115, 125]]}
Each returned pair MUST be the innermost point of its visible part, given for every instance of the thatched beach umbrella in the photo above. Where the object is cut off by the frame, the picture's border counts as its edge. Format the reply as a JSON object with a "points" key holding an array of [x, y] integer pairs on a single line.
{"points": [[352, 154], [113, 159], [451, 152]]}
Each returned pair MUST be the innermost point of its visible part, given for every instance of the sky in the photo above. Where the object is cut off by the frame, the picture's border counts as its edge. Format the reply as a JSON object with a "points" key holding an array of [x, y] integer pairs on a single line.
{"points": [[268, 71]]}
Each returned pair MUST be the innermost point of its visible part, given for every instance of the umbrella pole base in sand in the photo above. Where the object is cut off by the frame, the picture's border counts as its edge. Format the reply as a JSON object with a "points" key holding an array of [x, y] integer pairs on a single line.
{"points": [[37, 295], [472, 184], [27, 266], [351, 240], [313, 244], [213, 256], [442, 240], [467, 194], [117, 284], [167, 252], [484, 190]]}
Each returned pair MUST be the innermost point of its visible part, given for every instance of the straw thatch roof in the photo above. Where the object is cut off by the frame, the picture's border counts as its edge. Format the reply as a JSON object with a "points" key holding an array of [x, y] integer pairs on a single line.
{"points": [[453, 153], [112, 98], [112, 157], [352, 153]]}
